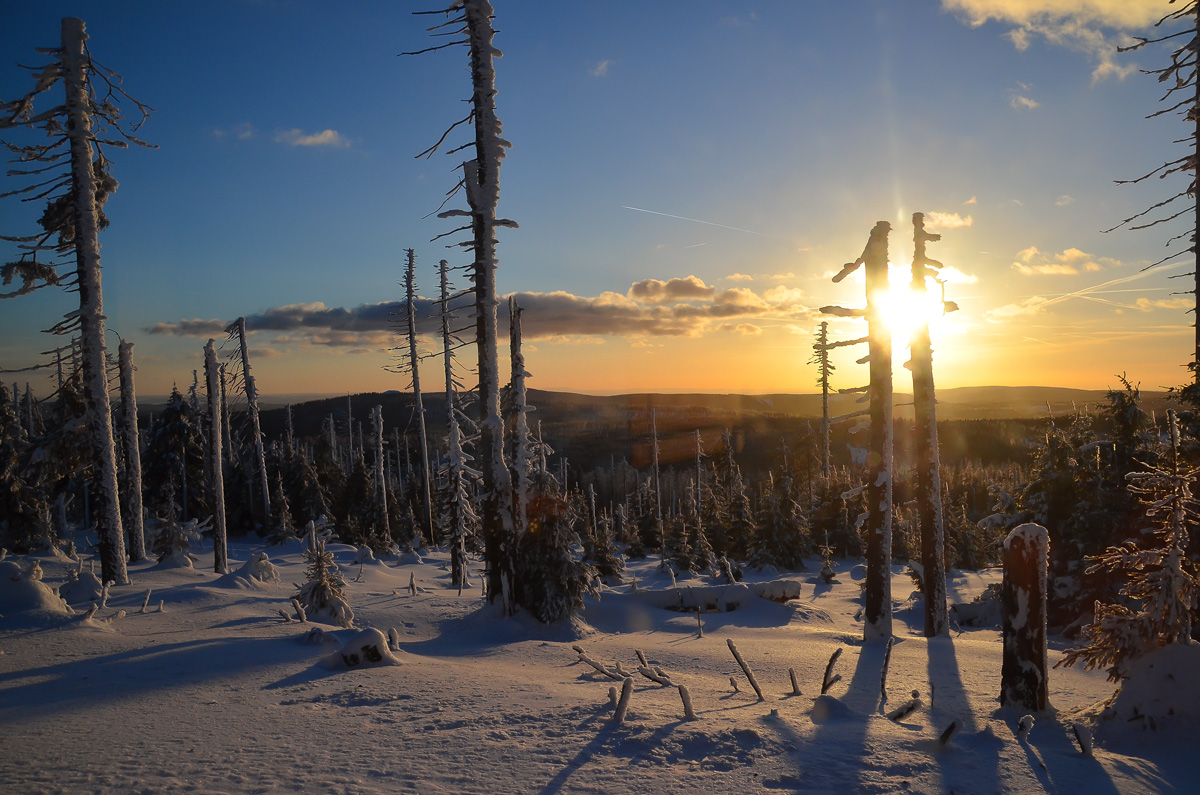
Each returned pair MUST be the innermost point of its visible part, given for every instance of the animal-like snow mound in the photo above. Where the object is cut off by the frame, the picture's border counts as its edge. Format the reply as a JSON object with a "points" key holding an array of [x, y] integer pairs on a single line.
{"points": [[1162, 693], [253, 574], [365, 647], [83, 587], [22, 591]]}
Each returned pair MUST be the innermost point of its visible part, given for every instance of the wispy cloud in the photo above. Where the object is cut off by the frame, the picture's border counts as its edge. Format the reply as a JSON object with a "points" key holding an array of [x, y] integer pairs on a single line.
{"points": [[1019, 102], [940, 220], [600, 69], [240, 132], [1068, 262], [1150, 304], [739, 277], [657, 292], [1039, 303], [1064, 200], [331, 138], [971, 200]]}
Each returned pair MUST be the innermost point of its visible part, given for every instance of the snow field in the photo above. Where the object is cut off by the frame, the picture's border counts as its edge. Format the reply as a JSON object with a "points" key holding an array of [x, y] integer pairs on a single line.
{"points": [[218, 694]]}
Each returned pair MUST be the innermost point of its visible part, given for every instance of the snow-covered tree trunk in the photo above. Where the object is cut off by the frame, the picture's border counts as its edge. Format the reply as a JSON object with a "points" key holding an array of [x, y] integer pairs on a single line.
{"points": [[1023, 681], [226, 423], [133, 454], [212, 377], [349, 434], [380, 483], [482, 183], [928, 490], [821, 350], [260, 459], [877, 613], [410, 297], [662, 546], [75, 62], [520, 441]]}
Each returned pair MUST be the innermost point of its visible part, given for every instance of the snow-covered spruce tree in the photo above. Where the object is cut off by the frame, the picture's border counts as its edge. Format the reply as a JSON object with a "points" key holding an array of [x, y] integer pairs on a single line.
{"points": [[323, 593], [175, 471], [605, 558], [928, 483], [877, 612], [241, 356], [780, 537], [283, 528], [133, 518], [72, 172], [215, 458], [554, 580], [1161, 580], [481, 182]]}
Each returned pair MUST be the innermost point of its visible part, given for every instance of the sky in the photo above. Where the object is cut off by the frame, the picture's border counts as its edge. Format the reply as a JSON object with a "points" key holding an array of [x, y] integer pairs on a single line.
{"points": [[687, 178]]}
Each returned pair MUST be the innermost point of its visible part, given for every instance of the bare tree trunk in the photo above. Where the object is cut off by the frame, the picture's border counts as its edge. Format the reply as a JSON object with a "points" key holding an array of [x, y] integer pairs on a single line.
{"points": [[260, 459], [658, 516], [226, 424], [410, 290], [520, 441], [380, 483], [212, 378], [877, 615], [1023, 669], [822, 357], [91, 306], [481, 180], [928, 485], [133, 454]]}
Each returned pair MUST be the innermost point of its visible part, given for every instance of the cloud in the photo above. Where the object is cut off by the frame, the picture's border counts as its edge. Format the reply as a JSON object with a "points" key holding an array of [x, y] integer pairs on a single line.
{"points": [[747, 329], [1150, 304], [1064, 200], [781, 276], [600, 69], [556, 316], [1019, 102], [952, 275], [936, 220], [1068, 262], [683, 289], [324, 138], [739, 277], [971, 200], [242, 132], [1077, 25]]}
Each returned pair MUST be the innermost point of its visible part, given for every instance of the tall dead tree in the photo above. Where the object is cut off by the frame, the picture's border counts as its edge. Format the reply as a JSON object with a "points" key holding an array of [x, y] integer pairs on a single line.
{"points": [[381, 494], [70, 172], [928, 486], [877, 612], [410, 311], [212, 379], [237, 332], [481, 182], [133, 455], [457, 516], [1181, 99], [521, 443]]}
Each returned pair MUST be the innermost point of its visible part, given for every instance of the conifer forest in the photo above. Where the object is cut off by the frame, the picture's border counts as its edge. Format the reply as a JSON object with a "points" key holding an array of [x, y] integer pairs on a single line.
{"points": [[891, 577]]}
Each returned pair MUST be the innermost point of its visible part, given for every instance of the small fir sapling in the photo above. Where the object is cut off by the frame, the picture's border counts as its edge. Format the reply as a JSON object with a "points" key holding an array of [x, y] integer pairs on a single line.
{"points": [[323, 592]]}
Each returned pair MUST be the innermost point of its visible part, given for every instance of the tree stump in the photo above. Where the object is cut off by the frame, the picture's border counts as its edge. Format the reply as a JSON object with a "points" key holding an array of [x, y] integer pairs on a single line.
{"points": [[1023, 599]]}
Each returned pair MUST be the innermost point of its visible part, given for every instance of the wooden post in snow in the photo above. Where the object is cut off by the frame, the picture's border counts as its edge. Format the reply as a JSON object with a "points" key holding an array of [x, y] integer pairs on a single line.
{"points": [[1023, 681]]}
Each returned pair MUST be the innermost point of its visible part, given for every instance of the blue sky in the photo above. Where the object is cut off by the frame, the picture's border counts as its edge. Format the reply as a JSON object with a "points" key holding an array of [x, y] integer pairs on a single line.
{"points": [[285, 176]]}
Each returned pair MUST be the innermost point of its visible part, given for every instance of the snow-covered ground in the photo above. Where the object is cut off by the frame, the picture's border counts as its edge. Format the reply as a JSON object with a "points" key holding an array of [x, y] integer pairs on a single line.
{"points": [[215, 692]]}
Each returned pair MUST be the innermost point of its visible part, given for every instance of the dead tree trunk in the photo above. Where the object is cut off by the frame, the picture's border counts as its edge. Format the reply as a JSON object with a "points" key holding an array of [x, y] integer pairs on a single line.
{"points": [[260, 459], [133, 455], [212, 377], [410, 297], [520, 434], [380, 483], [75, 64], [824, 368], [928, 489], [1023, 682]]}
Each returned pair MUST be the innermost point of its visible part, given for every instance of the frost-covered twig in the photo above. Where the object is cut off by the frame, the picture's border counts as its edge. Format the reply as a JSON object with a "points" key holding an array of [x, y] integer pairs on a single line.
{"points": [[745, 669], [829, 679], [686, 697], [600, 668], [623, 703], [944, 738], [887, 659], [795, 684], [145, 600], [654, 676], [907, 708], [300, 614]]}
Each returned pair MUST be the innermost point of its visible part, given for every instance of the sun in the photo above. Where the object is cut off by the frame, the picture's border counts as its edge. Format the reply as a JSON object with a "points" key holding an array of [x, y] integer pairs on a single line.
{"points": [[904, 309]]}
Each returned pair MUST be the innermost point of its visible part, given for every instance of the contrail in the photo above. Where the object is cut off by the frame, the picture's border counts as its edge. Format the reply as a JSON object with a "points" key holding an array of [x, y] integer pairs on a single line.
{"points": [[698, 221]]}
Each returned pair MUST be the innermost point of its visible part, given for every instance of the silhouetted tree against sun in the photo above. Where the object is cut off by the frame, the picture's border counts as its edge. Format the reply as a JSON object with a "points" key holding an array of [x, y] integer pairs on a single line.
{"points": [[1182, 99], [71, 172], [877, 613]]}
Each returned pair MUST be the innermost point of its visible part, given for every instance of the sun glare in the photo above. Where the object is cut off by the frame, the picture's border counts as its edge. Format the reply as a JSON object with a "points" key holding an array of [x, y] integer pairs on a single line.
{"points": [[903, 309]]}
